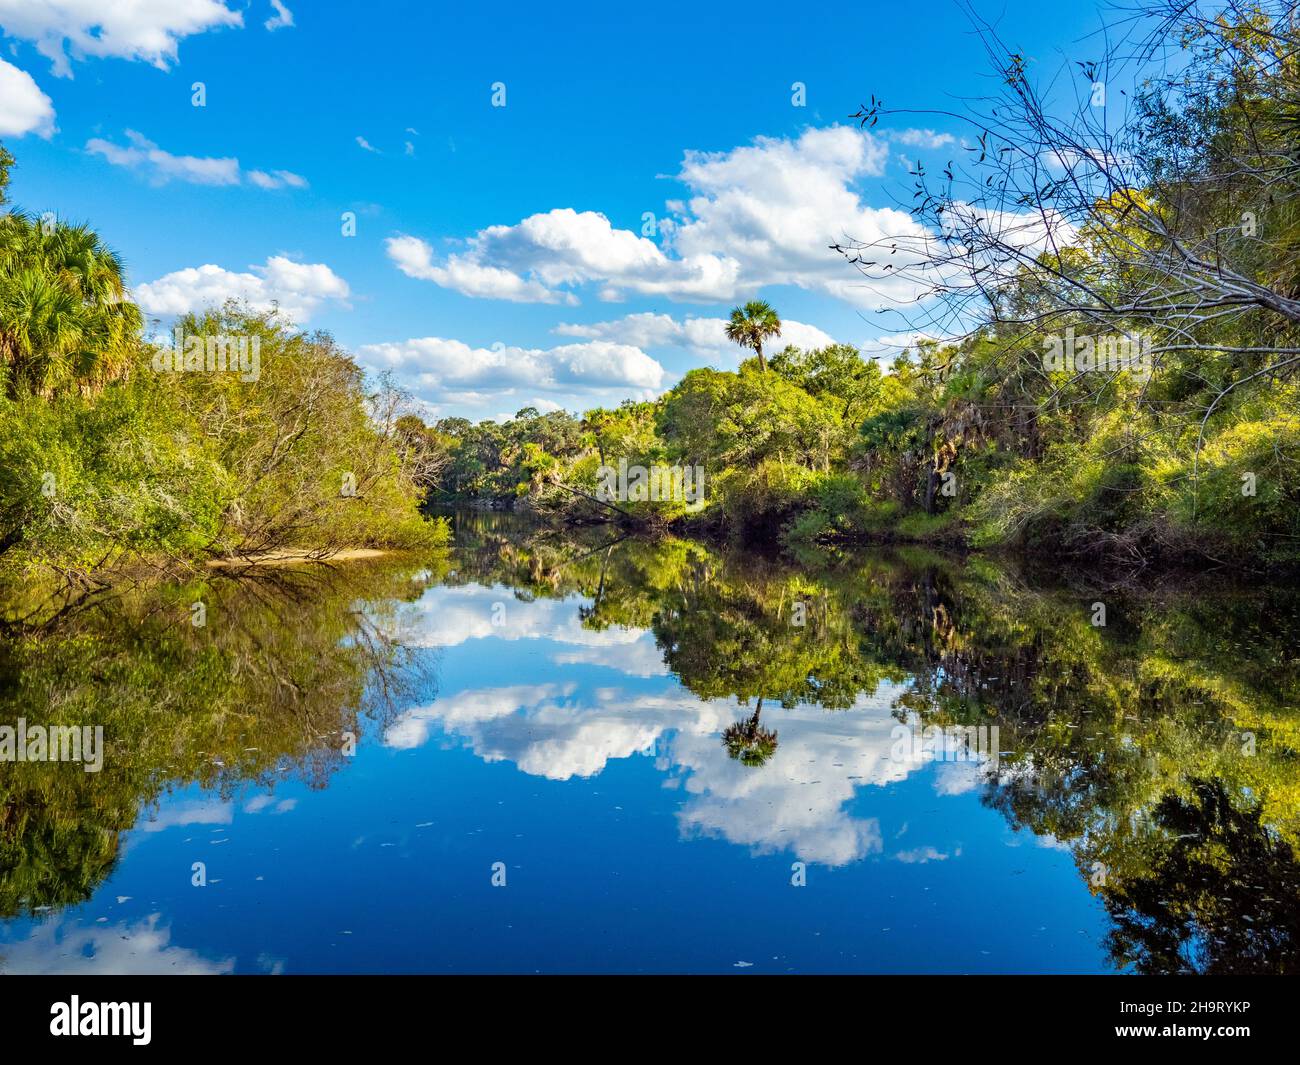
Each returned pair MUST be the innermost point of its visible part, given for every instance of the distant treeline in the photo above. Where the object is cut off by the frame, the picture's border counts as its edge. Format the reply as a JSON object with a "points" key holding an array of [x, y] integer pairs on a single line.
{"points": [[825, 446], [1126, 306]]}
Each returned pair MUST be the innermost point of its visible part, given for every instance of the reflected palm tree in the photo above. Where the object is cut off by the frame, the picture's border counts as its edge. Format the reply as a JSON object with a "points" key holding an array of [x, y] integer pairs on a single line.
{"points": [[748, 741]]}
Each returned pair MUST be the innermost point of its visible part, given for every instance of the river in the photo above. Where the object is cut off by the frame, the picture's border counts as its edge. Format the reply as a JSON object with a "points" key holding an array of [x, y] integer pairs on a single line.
{"points": [[553, 751]]}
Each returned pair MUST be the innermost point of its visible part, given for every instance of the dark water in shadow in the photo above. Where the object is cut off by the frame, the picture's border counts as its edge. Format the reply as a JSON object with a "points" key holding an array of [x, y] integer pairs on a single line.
{"points": [[569, 752]]}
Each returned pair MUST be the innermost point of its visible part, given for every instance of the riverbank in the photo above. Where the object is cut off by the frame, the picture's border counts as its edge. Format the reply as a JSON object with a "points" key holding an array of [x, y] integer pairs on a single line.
{"points": [[117, 459], [290, 558], [1113, 558]]}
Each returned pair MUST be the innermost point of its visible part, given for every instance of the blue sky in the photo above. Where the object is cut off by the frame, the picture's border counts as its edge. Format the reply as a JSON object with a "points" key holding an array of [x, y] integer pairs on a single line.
{"points": [[502, 256]]}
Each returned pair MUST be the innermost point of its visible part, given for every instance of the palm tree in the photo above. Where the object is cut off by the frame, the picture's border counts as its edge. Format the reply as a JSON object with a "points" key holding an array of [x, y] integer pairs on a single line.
{"points": [[748, 741], [65, 316], [751, 324]]}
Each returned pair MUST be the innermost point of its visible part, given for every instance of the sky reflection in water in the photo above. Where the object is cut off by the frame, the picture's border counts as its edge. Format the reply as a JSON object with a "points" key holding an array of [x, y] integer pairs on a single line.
{"points": [[544, 731]]}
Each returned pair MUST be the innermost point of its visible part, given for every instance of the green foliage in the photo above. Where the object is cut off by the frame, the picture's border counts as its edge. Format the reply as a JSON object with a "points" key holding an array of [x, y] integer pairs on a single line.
{"points": [[948, 446], [730, 420], [751, 325], [831, 373], [85, 481], [111, 457], [762, 497], [65, 320], [928, 527], [838, 508], [314, 461], [6, 161]]}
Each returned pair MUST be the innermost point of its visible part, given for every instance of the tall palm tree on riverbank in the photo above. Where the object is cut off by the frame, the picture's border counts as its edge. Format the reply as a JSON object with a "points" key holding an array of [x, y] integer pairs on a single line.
{"points": [[752, 324]]}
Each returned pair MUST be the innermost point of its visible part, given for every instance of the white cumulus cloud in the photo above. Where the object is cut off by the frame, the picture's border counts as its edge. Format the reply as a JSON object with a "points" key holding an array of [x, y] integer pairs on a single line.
{"points": [[436, 367], [702, 336], [922, 138], [761, 214], [277, 179], [23, 107], [147, 30], [528, 262], [414, 257], [299, 289]]}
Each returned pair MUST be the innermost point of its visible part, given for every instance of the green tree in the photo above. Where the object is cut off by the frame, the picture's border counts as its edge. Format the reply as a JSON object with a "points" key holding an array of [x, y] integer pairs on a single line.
{"points": [[752, 324], [837, 372], [6, 161], [65, 319]]}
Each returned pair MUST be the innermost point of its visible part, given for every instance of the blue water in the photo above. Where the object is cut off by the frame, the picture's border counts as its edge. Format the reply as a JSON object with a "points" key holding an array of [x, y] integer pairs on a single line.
{"points": [[630, 841]]}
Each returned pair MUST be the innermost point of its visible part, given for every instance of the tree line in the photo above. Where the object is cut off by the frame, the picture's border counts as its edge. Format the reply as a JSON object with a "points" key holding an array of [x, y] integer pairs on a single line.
{"points": [[1111, 291]]}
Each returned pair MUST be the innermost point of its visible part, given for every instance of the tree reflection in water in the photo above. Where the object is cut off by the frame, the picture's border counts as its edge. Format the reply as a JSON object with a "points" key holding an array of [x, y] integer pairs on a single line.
{"points": [[1160, 750], [748, 741]]}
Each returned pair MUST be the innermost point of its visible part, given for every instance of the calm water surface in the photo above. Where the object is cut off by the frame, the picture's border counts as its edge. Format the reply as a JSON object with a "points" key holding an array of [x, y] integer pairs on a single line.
{"points": [[677, 760]]}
